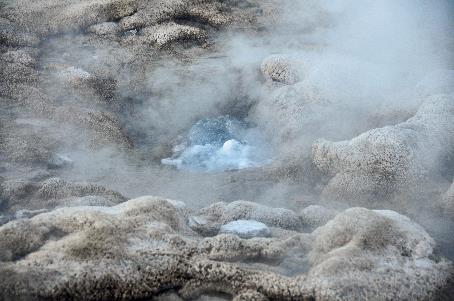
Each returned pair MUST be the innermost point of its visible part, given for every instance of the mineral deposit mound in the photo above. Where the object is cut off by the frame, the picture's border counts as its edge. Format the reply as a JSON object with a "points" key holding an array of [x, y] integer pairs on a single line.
{"points": [[220, 150]]}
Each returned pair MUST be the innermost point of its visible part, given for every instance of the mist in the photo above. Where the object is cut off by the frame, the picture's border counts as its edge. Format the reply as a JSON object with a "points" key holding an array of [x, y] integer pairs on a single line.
{"points": [[294, 105], [363, 58]]}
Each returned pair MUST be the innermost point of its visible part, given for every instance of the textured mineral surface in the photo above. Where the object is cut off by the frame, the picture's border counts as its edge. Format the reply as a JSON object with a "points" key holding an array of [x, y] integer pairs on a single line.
{"points": [[226, 150], [144, 246]]}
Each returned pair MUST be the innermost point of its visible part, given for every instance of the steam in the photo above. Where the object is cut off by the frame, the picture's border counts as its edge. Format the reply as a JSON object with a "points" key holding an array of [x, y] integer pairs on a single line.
{"points": [[361, 56], [356, 66]]}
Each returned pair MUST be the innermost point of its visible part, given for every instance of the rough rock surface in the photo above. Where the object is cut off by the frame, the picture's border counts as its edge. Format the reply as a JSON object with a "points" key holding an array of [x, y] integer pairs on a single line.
{"points": [[89, 84], [314, 216], [144, 246], [360, 231], [53, 192], [280, 69], [383, 160]]}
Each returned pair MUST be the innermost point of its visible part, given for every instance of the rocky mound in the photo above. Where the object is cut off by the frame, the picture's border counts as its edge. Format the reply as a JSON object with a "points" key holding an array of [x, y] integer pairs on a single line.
{"points": [[385, 160], [144, 246]]}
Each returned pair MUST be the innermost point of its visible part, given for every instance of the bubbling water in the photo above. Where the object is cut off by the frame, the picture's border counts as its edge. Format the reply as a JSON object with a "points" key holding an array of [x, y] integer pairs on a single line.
{"points": [[220, 144]]}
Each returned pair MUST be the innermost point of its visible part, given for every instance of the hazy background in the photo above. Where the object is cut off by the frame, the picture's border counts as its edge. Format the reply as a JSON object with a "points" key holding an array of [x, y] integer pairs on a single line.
{"points": [[359, 65], [364, 58]]}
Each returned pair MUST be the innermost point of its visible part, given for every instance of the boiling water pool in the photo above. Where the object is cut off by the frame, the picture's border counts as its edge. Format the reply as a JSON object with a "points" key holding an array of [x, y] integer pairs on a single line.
{"points": [[219, 144]]}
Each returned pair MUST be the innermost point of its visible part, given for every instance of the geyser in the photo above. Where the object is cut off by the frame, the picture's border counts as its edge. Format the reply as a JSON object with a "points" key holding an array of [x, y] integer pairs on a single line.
{"points": [[219, 144]]}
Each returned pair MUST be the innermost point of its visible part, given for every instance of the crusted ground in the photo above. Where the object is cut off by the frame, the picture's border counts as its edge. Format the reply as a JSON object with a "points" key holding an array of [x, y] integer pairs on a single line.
{"points": [[93, 94], [144, 246]]}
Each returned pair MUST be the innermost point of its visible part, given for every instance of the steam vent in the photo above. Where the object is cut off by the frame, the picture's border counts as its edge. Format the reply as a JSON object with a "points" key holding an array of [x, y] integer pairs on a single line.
{"points": [[260, 150]]}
